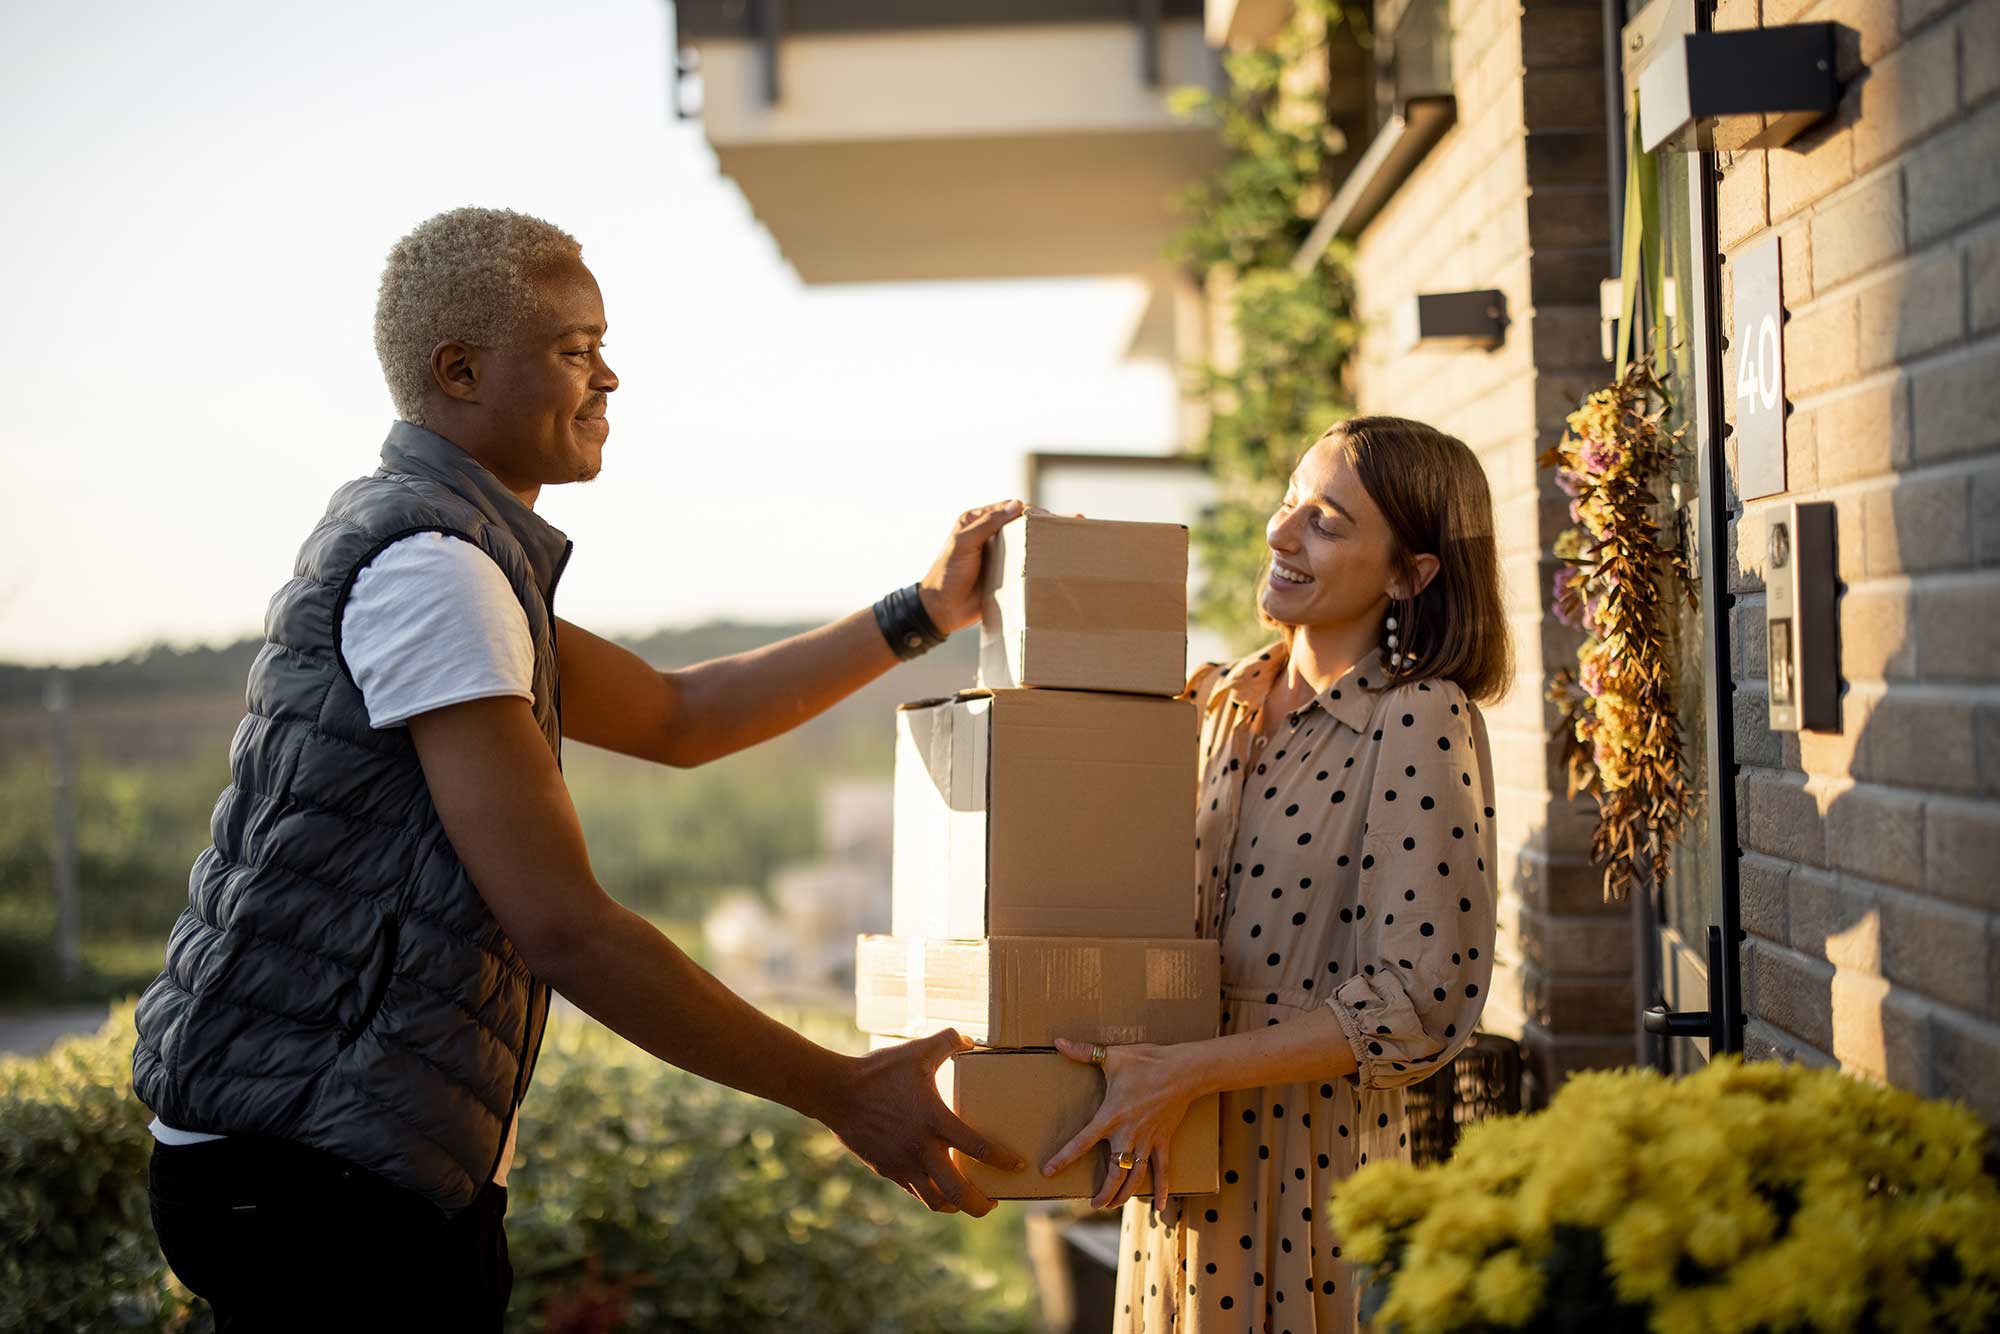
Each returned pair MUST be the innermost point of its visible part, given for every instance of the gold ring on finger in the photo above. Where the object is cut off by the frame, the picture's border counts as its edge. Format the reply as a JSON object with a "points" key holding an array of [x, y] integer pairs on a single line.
{"points": [[1097, 1056], [1126, 1162]]}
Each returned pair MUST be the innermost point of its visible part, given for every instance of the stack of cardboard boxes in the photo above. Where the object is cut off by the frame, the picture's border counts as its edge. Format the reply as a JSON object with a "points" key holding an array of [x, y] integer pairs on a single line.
{"points": [[1044, 845]]}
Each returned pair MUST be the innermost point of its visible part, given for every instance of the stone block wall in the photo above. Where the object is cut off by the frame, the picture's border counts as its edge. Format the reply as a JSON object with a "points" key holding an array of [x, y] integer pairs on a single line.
{"points": [[1871, 874]]}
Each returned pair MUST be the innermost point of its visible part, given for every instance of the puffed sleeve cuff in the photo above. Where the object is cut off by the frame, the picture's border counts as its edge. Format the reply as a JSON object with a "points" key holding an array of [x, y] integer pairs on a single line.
{"points": [[1391, 1046]]}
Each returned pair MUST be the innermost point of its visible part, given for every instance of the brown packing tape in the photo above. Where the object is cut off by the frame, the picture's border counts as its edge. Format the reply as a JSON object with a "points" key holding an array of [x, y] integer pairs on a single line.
{"points": [[1110, 991], [1173, 974], [1055, 546], [1015, 991], [1144, 662], [1105, 604], [1097, 727]]}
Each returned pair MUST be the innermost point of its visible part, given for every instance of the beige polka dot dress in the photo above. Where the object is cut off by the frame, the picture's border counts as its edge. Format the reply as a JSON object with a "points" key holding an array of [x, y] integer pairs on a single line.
{"points": [[1344, 858]]}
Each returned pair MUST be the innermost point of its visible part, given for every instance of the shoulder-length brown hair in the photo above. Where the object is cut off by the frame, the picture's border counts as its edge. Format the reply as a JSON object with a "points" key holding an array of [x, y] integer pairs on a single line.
{"points": [[1433, 493]]}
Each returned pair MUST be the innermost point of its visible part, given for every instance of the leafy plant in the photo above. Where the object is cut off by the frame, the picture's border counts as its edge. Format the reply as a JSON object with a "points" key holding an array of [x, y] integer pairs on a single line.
{"points": [[1293, 330], [77, 1250], [677, 1204], [1745, 1197], [642, 1199]]}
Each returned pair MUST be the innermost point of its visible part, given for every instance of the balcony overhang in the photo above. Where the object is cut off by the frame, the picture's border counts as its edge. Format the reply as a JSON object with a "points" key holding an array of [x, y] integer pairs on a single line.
{"points": [[1032, 150]]}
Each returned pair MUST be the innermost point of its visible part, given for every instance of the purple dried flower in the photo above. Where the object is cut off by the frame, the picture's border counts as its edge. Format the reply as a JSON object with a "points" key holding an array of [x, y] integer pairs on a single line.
{"points": [[1569, 610], [1600, 455], [1592, 676]]}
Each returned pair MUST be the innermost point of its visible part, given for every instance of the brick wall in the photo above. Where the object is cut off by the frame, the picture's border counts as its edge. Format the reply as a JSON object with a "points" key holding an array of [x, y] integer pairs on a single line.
{"points": [[1871, 874], [1513, 197]]}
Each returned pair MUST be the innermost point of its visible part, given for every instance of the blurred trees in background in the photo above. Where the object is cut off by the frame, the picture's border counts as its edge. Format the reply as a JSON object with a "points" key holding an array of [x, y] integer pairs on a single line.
{"points": [[153, 734], [1274, 380]]}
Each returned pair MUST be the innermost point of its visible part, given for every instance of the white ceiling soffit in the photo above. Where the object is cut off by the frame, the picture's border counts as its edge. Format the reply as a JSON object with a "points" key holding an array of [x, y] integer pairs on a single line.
{"points": [[962, 153]]}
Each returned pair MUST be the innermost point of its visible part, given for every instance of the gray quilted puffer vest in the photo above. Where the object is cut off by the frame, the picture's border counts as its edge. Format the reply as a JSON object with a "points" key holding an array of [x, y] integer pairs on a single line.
{"points": [[336, 980]]}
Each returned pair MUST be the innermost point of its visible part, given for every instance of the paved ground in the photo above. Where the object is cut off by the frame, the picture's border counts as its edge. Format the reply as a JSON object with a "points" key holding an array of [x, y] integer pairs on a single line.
{"points": [[32, 1032]]}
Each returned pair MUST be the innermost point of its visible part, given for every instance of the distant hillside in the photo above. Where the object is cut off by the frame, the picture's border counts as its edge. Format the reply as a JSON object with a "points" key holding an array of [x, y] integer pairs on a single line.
{"points": [[159, 670], [164, 670], [162, 702]]}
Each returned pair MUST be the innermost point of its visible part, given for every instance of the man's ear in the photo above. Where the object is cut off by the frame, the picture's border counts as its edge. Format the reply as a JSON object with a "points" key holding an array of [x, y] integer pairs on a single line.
{"points": [[455, 370]]}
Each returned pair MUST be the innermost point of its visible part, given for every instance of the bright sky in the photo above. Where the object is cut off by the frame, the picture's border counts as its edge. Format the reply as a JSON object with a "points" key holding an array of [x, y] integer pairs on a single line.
{"points": [[196, 200]]}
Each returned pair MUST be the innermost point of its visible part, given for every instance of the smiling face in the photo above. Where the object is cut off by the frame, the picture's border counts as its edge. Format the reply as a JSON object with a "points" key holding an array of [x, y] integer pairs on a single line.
{"points": [[532, 409], [1332, 555]]}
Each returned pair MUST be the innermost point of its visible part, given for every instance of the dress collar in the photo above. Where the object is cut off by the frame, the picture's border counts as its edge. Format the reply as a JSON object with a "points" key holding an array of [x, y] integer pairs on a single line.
{"points": [[416, 451], [1351, 699]]}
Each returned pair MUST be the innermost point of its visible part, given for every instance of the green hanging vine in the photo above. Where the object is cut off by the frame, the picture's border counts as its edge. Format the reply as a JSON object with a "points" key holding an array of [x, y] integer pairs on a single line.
{"points": [[1619, 723], [1294, 331]]}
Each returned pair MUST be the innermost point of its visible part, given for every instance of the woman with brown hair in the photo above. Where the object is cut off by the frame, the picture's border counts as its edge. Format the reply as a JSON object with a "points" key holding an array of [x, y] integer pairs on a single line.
{"points": [[1345, 859]]}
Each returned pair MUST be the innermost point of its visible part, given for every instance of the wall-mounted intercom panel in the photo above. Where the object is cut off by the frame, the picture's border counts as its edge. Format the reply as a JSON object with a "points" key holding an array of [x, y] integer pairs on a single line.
{"points": [[1800, 586]]}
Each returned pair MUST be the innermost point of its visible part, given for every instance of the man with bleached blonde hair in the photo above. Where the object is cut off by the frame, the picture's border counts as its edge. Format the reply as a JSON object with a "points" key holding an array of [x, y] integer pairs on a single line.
{"points": [[354, 998]]}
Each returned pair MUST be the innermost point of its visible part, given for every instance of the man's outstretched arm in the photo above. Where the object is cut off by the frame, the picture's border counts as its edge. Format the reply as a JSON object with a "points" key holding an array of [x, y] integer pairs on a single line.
{"points": [[509, 818], [614, 699]]}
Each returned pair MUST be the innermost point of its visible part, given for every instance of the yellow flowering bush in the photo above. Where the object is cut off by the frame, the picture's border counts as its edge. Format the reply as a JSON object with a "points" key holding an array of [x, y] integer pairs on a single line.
{"points": [[1746, 1197], [1619, 723]]}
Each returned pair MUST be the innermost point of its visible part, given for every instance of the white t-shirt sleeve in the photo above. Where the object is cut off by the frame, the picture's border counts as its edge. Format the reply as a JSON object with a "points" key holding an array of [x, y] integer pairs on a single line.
{"points": [[432, 621]]}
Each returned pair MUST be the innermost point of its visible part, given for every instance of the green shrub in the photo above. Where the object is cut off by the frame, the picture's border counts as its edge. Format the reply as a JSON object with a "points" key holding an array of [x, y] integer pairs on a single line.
{"points": [[77, 1250], [643, 1199], [697, 1208]]}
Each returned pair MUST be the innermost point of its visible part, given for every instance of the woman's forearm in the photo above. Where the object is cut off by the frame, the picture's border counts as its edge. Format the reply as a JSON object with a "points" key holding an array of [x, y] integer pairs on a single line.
{"points": [[1310, 1047]]}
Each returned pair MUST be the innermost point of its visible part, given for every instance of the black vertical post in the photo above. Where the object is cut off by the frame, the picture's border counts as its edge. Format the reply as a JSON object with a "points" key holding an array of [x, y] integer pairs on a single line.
{"points": [[1149, 42], [1614, 121], [1718, 686], [60, 702], [769, 25]]}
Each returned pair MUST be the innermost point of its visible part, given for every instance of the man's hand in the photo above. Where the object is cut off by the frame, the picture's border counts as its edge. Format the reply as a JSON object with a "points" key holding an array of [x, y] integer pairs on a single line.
{"points": [[950, 592], [508, 816], [893, 1120]]}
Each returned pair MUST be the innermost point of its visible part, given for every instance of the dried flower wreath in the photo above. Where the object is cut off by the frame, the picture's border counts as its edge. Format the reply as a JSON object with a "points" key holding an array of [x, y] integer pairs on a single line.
{"points": [[1622, 735]]}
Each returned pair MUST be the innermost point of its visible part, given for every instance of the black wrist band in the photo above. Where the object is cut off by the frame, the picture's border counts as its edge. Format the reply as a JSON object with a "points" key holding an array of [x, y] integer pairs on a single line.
{"points": [[901, 617]]}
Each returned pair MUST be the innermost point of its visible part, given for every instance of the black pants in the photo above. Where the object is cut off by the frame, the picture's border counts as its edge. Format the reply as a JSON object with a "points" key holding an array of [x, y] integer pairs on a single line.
{"points": [[279, 1236]]}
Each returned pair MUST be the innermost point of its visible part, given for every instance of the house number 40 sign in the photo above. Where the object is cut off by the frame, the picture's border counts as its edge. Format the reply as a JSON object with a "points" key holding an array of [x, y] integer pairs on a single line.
{"points": [[1759, 345]]}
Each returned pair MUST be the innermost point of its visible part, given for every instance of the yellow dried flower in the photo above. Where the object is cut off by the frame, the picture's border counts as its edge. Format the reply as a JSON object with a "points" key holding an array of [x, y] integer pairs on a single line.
{"points": [[1573, 544]]}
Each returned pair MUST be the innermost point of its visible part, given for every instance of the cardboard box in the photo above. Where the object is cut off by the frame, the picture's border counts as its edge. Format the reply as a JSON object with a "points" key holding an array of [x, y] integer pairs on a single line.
{"points": [[1034, 1101], [1014, 991], [1085, 604], [1044, 813]]}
